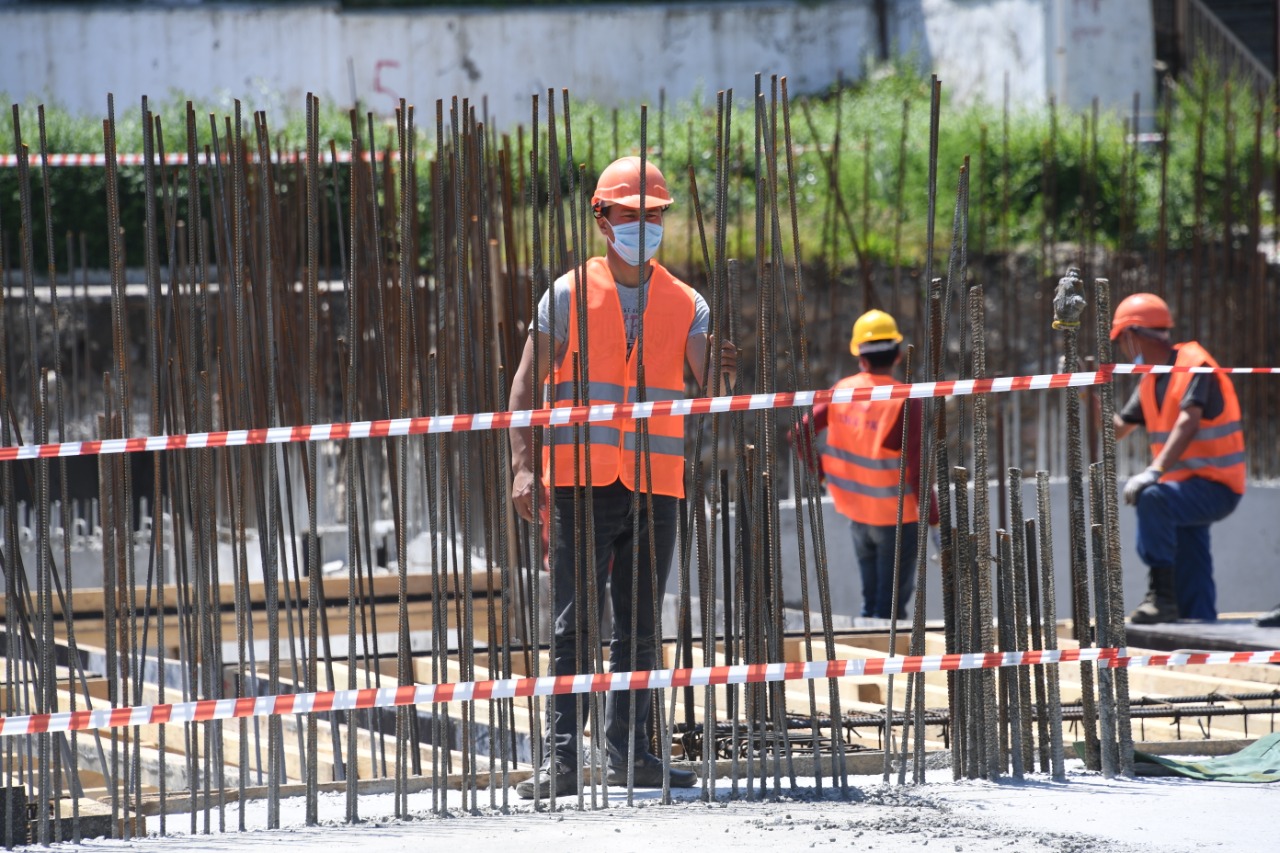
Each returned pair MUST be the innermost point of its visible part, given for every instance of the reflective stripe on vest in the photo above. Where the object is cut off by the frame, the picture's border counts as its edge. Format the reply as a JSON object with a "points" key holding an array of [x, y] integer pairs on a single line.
{"points": [[1202, 462], [869, 492], [586, 433], [1217, 451], [1204, 433], [605, 392], [668, 316], [862, 476], [887, 464], [655, 395]]}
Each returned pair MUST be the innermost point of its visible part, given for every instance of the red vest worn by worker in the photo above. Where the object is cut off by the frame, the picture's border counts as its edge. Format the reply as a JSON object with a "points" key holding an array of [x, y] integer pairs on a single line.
{"points": [[612, 445], [862, 476], [1217, 451]]}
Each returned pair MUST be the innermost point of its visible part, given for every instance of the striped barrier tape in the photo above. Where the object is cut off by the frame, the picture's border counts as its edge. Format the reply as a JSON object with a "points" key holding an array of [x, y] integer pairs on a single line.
{"points": [[511, 688], [9, 161], [569, 415]]}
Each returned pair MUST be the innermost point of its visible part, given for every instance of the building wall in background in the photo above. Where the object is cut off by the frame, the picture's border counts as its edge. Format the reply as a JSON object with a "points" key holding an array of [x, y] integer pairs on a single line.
{"points": [[615, 54]]}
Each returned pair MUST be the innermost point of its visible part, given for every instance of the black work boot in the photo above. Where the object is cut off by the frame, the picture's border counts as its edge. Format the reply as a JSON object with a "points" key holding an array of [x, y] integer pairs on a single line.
{"points": [[648, 774], [539, 784], [1269, 620], [1161, 603]]}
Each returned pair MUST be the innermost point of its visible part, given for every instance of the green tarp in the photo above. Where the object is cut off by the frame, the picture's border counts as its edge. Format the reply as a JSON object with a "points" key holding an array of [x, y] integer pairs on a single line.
{"points": [[1257, 762]]}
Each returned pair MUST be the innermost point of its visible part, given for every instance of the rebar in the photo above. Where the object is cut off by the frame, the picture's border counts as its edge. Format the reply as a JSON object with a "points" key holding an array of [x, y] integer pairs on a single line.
{"points": [[266, 306], [982, 535], [1111, 575], [1021, 611], [1068, 305]]}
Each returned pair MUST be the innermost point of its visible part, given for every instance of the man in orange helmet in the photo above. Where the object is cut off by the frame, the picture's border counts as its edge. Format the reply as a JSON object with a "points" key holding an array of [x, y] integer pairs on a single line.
{"points": [[636, 314], [1197, 470], [860, 467]]}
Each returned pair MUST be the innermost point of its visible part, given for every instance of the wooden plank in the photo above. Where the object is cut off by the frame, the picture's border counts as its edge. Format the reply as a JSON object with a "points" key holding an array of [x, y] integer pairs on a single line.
{"points": [[334, 589], [91, 631]]}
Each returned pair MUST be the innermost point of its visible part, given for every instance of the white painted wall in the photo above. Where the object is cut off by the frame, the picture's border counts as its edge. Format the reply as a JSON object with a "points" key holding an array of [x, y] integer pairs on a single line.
{"points": [[1102, 48], [973, 46], [615, 55]]}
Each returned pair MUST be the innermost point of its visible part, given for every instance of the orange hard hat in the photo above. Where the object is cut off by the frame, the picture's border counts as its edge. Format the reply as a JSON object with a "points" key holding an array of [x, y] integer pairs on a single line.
{"points": [[1141, 309], [620, 184]]}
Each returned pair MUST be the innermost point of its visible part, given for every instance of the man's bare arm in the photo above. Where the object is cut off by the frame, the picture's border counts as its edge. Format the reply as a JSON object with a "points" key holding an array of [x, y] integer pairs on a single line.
{"points": [[695, 352], [1123, 427], [526, 379]]}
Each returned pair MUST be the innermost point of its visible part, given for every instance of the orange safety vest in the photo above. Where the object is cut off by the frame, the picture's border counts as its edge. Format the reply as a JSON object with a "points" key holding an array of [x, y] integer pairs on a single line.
{"points": [[1217, 451], [862, 476], [612, 445]]}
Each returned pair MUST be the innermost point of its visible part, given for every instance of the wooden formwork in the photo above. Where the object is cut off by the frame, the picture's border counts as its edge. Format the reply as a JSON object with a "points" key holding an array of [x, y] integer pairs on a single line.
{"points": [[376, 602], [472, 728]]}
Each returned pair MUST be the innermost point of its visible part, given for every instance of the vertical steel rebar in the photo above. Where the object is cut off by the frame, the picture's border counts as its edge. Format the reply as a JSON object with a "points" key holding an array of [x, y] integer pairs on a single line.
{"points": [[1049, 593], [1021, 611], [982, 533], [1106, 705], [1068, 305], [1112, 574]]}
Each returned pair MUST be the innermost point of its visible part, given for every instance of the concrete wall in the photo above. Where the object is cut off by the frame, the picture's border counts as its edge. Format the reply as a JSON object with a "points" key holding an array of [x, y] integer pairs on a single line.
{"points": [[973, 46], [616, 55], [1246, 553], [1101, 48]]}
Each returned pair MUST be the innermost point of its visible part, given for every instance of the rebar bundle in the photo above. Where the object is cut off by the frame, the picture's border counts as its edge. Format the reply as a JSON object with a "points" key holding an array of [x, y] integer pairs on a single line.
{"points": [[282, 291]]}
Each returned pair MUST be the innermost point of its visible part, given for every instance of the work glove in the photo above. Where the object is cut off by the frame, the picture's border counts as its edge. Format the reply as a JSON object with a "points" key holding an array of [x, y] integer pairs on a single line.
{"points": [[935, 536], [1138, 482], [799, 437]]}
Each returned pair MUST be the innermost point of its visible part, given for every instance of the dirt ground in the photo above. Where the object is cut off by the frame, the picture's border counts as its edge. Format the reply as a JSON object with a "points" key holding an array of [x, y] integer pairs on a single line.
{"points": [[1087, 813]]}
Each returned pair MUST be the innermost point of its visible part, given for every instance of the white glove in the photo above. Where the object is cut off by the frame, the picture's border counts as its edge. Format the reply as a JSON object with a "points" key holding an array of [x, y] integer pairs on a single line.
{"points": [[1138, 482], [935, 536]]}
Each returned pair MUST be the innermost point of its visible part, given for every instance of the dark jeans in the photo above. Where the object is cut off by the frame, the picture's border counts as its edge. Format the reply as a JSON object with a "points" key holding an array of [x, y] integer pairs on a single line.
{"points": [[1173, 532], [614, 508], [874, 547]]}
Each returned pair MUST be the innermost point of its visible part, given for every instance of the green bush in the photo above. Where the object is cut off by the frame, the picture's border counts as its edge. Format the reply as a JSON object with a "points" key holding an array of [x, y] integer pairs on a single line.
{"points": [[1009, 207]]}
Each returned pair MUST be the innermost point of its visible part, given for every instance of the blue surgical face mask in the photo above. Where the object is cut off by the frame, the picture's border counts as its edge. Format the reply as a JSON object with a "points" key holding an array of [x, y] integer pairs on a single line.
{"points": [[626, 241]]}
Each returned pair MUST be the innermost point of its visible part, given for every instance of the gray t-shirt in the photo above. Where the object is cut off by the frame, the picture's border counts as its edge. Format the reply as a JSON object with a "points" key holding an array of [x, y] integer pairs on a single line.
{"points": [[1204, 390], [629, 297]]}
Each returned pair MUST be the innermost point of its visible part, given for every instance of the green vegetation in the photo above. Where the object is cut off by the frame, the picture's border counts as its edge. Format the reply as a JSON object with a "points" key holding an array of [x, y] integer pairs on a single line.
{"points": [[1045, 182]]}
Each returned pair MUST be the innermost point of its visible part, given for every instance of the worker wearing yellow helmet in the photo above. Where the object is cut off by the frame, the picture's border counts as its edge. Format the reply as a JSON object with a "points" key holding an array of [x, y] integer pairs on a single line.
{"points": [[860, 466]]}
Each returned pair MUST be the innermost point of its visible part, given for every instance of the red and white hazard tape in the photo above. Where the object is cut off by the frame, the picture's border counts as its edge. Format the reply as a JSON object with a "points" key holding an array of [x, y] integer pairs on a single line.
{"points": [[1180, 368], [591, 414], [8, 161], [510, 688]]}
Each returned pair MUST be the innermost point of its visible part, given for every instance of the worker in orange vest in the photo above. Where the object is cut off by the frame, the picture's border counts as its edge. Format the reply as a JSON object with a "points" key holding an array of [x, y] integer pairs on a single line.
{"points": [[860, 466], [631, 305], [1197, 470]]}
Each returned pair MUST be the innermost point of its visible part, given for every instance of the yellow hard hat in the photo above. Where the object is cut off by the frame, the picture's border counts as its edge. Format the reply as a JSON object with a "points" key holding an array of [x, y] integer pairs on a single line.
{"points": [[874, 331]]}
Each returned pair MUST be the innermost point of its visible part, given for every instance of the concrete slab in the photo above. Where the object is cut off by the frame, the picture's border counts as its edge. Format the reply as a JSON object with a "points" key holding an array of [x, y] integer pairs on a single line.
{"points": [[1246, 548], [1232, 634]]}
